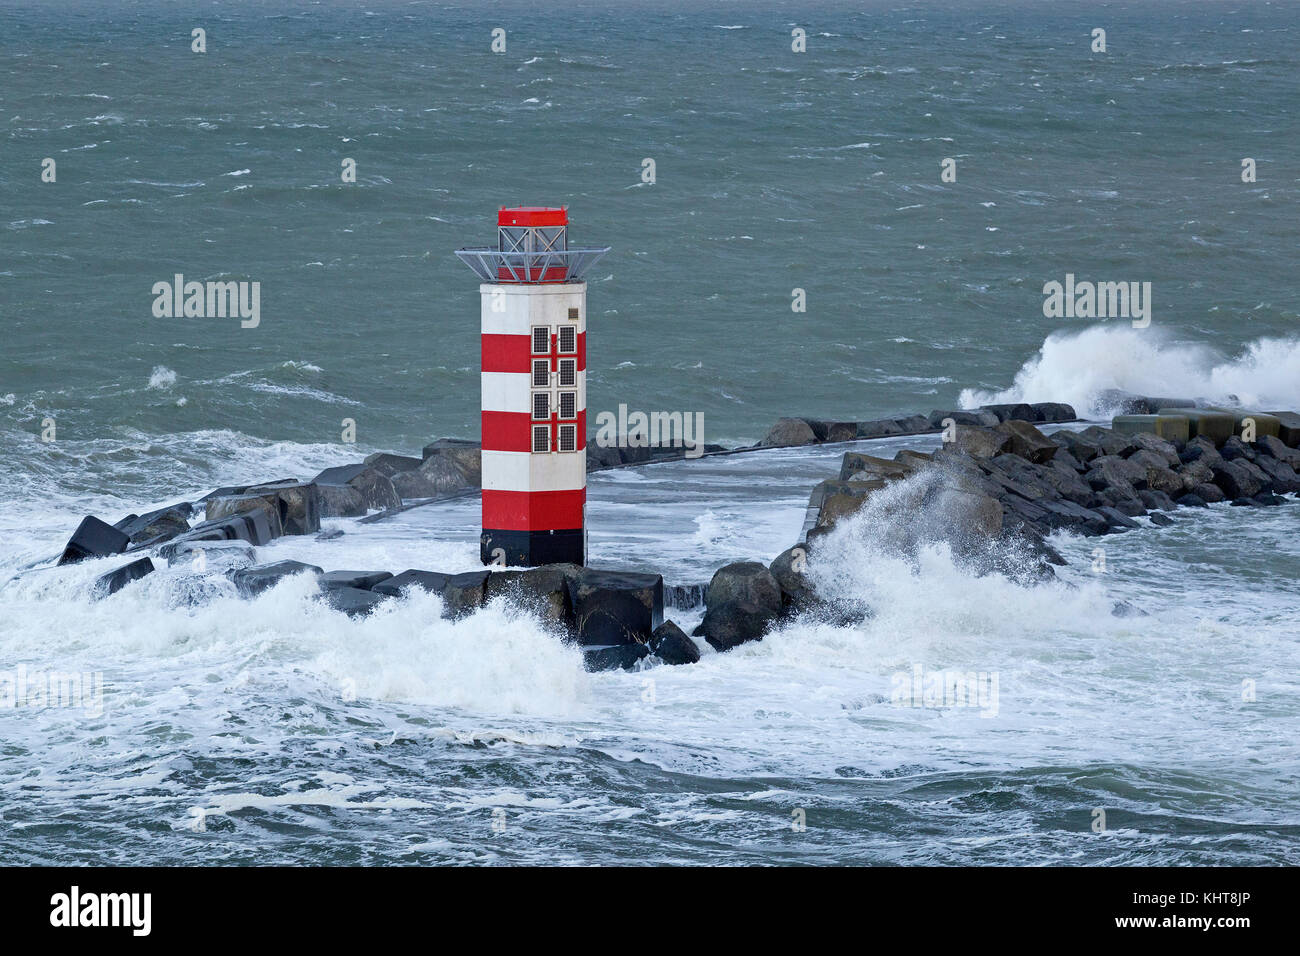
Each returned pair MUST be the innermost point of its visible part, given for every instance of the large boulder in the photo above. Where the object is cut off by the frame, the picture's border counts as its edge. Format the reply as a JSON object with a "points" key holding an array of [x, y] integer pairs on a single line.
{"points": [[361, 580], [835, 500], [297, 506], [118, 578], [448, 469], [542, 591], [211, 555], [1238, 479], [789, 569], [1271, 447], [155, 527], [1082, 448], [93, 539], [1281, 475], [1027, 441], [832, 431], [466, 455], [787, 432], [670, 644], [912, 425], [1053, 412], [613, 657], [615, 607], [744, 600], [349, 491], [981, 442], [1157, 475], [354, 602], [856, 466], [463, 594], [977, 417], [250, 582], [880, 428], [390, 465], [1006, 413], [429, 581], [1166, 450], [1109, 471]]}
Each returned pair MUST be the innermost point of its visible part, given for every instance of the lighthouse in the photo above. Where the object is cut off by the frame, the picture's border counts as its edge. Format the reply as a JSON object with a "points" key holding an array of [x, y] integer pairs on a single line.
{"points": [[534, 380]]}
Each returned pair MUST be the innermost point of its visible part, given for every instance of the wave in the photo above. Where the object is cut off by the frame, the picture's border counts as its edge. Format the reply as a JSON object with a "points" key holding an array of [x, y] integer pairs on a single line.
{"points": [[1078, 367]]}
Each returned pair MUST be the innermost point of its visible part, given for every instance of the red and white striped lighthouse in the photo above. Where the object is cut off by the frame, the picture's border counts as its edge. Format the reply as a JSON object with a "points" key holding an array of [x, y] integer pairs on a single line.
{"points": [[534, 377]]}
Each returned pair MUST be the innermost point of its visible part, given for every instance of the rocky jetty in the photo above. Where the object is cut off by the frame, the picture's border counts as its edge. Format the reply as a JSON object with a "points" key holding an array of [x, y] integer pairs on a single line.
{"points": [[994, 491]]}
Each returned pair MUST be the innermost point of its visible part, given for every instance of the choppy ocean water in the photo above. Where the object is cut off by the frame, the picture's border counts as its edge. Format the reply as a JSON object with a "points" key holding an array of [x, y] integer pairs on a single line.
{"points": [[297, 735]]}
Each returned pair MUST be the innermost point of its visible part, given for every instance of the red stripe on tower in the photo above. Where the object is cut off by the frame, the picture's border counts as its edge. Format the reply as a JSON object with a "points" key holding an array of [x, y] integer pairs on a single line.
{"points": [[534, 387]]}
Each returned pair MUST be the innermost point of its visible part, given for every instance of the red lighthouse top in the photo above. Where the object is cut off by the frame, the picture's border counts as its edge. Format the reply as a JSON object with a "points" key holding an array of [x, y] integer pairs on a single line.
{"points": [[532, 216], [532, 247]]}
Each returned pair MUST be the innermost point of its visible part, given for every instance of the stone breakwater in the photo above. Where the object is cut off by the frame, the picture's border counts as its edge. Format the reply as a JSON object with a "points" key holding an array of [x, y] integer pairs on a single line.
{"points": [[992, 493]]}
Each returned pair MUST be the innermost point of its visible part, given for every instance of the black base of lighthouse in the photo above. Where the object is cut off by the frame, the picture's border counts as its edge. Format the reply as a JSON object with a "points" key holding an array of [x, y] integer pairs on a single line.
{"points": [[531, 548]]}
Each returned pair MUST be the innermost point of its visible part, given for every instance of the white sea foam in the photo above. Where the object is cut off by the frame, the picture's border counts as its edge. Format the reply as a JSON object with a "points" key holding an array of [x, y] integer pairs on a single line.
{"points": [[1076, 367]]}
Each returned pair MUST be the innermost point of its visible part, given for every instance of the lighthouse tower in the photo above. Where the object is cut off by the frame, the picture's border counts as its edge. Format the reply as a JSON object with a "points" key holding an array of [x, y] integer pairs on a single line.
{"points": [[534, 377]]}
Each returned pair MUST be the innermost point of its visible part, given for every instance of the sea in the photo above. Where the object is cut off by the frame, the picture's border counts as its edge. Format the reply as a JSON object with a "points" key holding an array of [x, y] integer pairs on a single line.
{"points": [[845, 211]]}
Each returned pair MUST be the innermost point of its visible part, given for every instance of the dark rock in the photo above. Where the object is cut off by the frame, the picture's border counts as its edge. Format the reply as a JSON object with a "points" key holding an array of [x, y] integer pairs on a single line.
{"points": [[1165, 450], [1244, 503], [1271, 447], [1064, 457], [464, 593], [615, 657], [1116, 519], [466, 455], [349, 491], [1108, 440], [243, 489], [1160, 519], [744, 601], [354, 602], [912, 425], [454, 469], [1028, 442], [856, 466], [297, 506], [615, 607], [1210, 493], [1190, 500], [1083, 449], [1236, 479], [93, 539], [1268, 499], [332, 534], [250, 582], [1234, 448], [1021, 411], [361, 580], [1156, 475], [431, 581], [824, 430], [835, 500], [670, 644], [1156, 500], [115, 580], [598, 457], [157, 526], [543, 591], [787, 432], [1111, 471], [1130, 404], [389, 465], [978, 417], [789, 571], [1282, 476], [980, 442], [1124, 500], [1053, 412], [882, 428]]}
